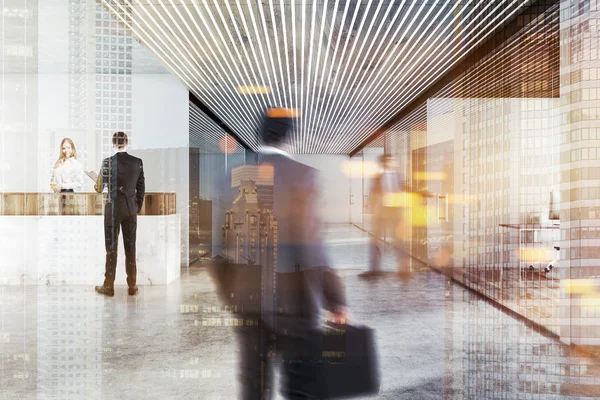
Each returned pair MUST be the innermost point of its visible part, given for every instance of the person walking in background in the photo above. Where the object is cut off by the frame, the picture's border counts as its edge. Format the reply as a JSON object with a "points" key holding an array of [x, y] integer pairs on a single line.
{"points": [[123, 175], [68, 173], [387, 202]]}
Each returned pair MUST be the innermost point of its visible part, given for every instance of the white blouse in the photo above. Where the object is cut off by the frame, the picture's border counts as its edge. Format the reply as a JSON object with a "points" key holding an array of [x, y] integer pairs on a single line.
{"points": [[69, 175]]}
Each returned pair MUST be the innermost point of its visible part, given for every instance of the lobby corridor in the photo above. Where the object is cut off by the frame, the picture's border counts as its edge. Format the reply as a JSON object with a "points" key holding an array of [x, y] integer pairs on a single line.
{"points": [[435, 340], [225, 152]]}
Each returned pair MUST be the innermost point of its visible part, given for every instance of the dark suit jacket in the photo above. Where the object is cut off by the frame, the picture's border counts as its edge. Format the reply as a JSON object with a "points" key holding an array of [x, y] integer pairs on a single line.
{"points": [[300, 243], [123, 175]]}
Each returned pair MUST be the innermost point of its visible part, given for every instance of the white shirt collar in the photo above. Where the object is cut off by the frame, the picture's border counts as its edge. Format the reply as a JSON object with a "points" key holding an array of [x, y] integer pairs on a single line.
{"points": [[68, 160]]}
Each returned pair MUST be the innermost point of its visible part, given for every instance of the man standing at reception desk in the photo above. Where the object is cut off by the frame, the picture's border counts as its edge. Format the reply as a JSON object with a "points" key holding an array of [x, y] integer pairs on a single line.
{"points": [[123, 175]]}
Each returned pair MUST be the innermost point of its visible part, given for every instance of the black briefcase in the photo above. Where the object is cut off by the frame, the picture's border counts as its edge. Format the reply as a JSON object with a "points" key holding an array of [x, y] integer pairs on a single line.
{"points": [[338, 362]]}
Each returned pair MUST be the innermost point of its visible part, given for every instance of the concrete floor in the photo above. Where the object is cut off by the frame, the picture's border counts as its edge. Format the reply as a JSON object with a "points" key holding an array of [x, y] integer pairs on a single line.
{"points": [[435, 340]]}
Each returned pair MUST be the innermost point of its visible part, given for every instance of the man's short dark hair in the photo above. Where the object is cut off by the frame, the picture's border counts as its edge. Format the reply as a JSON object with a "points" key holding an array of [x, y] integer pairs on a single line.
{"points": [[275, 130], [119, 139]]}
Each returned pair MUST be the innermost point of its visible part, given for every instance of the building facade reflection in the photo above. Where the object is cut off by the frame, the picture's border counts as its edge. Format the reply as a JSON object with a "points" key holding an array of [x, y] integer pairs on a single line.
{"points": [[491, 354], [511, 145]]}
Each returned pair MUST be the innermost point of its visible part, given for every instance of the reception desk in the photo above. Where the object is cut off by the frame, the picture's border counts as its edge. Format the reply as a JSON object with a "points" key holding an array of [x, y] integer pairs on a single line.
{"points": [[58, 238]]}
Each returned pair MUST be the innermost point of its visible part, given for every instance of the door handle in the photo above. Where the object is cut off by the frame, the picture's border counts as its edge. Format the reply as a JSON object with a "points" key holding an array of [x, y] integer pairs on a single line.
{"points": [[443, 210]]}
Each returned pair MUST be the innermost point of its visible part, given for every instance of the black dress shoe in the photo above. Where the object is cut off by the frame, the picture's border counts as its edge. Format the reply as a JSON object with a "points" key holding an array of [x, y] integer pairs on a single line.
{"points": [[105, 291], [133, 290]]}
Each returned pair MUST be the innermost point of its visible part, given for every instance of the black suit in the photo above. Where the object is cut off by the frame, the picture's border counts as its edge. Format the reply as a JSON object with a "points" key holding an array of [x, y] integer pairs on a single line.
{"points": [[123, 175], [301, 295]]}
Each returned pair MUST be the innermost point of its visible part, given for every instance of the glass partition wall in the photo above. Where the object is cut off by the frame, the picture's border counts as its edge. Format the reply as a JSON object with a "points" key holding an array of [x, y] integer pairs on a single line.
{"points": [[364, 166], [502, 162], [213, 154]]}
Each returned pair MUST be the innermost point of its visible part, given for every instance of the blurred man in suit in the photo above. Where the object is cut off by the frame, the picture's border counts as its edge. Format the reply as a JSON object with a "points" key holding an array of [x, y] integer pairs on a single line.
{"points": [[305, 284], [123, 175]]}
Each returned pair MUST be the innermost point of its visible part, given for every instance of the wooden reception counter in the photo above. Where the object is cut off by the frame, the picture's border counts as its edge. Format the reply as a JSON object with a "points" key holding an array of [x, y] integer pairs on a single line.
{"points": [[58, 238], [77, 204]]}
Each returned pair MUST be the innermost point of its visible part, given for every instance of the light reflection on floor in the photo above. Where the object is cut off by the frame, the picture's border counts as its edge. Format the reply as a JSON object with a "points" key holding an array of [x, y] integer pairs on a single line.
{"points": [[435, 340]]}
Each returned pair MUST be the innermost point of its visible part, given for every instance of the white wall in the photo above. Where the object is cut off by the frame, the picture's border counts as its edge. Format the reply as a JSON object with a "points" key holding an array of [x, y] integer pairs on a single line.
{"points": [[160, 112], [356, 189], [334, 184], [160, 132], [18, 133]]}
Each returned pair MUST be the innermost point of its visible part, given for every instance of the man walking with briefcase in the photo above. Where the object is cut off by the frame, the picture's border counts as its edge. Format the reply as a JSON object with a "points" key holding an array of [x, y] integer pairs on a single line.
{"points": [[291, 330]]}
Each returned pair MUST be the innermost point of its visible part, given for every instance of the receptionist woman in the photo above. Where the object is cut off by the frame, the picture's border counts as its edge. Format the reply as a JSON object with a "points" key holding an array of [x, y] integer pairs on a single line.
{"points": [[68, 173]]}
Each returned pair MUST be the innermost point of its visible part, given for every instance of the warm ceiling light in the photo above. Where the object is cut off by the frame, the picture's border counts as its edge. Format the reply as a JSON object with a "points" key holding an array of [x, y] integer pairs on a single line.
{"points": [[283, 113]]}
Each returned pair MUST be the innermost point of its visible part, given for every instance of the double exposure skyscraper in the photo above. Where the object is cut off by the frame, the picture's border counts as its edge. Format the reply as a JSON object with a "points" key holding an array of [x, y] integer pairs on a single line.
{"points": [[250, 236], [250, 233]]}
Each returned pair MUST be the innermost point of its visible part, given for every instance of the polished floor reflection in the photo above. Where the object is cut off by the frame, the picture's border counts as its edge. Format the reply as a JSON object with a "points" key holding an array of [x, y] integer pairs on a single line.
{"points": [[435, 338]]}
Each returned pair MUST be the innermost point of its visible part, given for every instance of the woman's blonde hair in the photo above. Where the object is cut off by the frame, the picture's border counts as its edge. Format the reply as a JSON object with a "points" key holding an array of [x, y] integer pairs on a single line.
{"points": [[61, 157]]}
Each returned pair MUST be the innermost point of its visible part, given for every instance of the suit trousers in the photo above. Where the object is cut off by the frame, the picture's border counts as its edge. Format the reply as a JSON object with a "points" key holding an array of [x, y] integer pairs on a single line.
{"points": [[258, 345], [112, 226], [386, 224], [256, 369]]}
